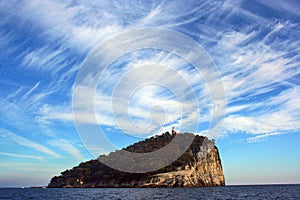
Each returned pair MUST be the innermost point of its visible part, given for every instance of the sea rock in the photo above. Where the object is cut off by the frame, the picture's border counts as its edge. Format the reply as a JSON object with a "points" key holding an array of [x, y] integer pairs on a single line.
{"points": [[199, 166]]}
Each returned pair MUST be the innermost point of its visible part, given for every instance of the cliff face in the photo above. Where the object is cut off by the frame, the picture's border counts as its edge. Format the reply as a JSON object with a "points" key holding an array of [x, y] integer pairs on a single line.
{"points": [[199, 166]]}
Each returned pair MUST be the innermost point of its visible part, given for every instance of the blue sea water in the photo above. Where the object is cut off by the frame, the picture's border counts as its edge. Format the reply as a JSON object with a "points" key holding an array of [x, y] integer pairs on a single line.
{"points": [[226, 192]]}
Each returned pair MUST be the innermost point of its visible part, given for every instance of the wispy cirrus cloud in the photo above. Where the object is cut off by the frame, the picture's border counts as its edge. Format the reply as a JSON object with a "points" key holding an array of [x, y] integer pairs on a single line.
{"points": [[262, 136], [66, 146], [258, 80], [8, 135], [173, 84], [257, 58], [22, 156]]}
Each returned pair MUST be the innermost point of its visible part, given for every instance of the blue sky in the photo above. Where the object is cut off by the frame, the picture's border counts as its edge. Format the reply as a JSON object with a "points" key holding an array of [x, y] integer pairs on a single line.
{"points": [[255, 46]]}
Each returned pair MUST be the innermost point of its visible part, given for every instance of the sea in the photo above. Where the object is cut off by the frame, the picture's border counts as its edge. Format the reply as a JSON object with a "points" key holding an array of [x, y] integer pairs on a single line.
{"points": [[225, 192]]}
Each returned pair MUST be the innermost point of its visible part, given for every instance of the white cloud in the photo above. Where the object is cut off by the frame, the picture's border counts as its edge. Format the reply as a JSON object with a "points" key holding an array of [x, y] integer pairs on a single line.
{"points": [[284, 6], [262, 136], [248, 75], [22, 156], [253, 61], [281, 114], [45, 59], [261, 99], [29, 92], [66, 146], [27, 143], [162, 88]]}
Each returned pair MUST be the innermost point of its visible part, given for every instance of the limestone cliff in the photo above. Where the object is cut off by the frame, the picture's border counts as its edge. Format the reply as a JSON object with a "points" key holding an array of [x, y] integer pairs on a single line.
{"points": [[199, 166]]}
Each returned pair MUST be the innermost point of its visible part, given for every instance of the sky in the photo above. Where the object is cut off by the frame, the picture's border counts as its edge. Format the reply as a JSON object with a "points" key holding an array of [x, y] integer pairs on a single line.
{"points": [[254, 46]]}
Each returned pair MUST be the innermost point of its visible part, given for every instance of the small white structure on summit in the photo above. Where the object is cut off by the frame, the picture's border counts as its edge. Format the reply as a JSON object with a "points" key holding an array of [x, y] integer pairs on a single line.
{"points": [[173, 131]]}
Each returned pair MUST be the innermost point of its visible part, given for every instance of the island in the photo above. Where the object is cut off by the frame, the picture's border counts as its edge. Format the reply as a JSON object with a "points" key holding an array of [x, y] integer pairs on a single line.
{"points": [[199, 166]]}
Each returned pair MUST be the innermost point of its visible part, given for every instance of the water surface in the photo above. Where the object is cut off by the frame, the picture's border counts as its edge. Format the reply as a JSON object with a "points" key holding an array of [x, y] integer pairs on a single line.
{"points": [[226, 192]]}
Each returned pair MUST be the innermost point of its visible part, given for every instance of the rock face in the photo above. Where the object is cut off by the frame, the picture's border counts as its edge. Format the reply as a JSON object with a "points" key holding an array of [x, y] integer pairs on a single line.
{"points": [[199, 166]]}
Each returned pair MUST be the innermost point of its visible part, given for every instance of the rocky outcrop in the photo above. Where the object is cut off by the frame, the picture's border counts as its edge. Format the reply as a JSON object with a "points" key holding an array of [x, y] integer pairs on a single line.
{"points": [[199, 166]]}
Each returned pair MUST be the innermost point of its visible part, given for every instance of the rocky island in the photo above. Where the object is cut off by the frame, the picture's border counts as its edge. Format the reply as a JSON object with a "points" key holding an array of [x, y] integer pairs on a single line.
{"points": [[199, 166]]}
